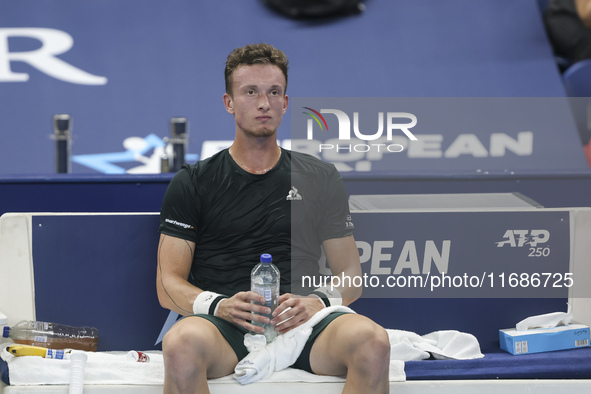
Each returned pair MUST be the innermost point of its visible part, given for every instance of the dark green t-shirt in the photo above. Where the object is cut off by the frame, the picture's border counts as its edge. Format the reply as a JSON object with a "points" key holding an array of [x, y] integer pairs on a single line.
{"points": [[234, 216]]}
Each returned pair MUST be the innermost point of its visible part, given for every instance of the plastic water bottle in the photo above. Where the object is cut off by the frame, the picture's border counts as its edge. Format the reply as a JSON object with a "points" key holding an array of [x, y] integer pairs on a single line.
{"points": [[264, 280], [52, 335]]}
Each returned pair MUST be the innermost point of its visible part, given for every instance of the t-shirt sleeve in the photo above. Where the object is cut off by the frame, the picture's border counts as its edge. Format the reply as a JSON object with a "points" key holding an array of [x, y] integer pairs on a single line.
{"points": [[337, 221], [178, 216]]}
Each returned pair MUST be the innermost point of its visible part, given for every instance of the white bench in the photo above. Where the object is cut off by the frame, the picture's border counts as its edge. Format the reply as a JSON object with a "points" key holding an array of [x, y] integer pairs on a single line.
{"points": [[17, 301]]}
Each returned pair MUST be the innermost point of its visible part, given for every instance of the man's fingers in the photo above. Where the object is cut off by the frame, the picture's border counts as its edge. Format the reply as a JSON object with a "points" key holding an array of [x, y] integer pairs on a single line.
{"points": [[258, 309], [256, 329], [242, 316], [284, 297], [248, 296], [283, 322], [295, 312], [290, 322], [239, 310], [250, 327], [245, 318], [287, 311], [285, 302]]}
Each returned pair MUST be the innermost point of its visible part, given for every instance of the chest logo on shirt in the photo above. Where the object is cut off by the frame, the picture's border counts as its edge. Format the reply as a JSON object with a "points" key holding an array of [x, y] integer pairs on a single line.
{"points": [[293, 194]]}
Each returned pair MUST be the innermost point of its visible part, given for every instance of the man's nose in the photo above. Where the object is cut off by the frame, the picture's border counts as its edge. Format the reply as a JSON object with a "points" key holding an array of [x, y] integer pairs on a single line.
{"points": [[263, 102]]}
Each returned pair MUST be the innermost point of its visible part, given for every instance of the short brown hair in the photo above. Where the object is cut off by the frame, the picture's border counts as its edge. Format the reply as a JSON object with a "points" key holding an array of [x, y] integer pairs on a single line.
{"points": [[254, 54]]}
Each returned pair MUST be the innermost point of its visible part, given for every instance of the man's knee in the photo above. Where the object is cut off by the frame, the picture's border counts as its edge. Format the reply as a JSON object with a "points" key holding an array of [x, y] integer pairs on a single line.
{"points": [[194, 348], [188, 340], [369, 346]]}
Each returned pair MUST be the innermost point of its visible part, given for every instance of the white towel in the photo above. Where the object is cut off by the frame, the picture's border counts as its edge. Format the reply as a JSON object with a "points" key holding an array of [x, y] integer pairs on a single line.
{"points": [[441, 345], [263, 360], [101, 368], [297, 375], [117, 368]]}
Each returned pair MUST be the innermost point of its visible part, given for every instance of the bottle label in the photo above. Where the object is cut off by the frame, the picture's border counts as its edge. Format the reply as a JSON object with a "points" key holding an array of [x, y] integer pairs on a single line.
{"points": [[40, 338], [56, 354], [268, 296], [41, 325]]}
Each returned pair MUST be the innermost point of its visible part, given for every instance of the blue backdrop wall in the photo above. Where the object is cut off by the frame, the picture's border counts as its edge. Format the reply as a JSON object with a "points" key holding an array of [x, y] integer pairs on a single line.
{"points": [[122, 69]]}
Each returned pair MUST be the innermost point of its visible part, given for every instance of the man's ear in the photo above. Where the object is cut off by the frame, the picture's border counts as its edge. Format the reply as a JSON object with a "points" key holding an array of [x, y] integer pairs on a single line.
{"points": [[228, 103], [285, 104]]}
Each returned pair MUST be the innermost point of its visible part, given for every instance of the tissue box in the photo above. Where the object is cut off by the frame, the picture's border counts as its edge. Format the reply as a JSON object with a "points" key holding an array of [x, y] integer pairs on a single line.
{"points": [[544, 339]]}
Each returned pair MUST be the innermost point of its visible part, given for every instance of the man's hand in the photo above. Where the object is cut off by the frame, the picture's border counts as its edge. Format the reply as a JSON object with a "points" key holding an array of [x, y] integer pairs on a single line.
{"points": [[294, 311], [237, 309]]}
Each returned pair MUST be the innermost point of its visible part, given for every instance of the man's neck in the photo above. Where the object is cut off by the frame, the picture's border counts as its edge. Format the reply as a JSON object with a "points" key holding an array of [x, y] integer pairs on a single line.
{"points": [[256, 156]]}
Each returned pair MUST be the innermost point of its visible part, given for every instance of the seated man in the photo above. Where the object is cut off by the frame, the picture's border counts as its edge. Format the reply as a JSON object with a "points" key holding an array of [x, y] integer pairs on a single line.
{"points": [[219, 215]]}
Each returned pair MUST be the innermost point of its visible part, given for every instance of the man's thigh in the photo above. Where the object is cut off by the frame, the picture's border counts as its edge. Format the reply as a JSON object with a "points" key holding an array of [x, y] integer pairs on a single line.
{"points": [[329, 352], [205, 339]]}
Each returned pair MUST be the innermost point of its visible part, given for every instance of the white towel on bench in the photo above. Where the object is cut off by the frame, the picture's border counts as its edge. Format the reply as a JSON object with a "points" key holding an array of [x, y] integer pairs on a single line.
{"points": [[261, 363], [101, 368]]}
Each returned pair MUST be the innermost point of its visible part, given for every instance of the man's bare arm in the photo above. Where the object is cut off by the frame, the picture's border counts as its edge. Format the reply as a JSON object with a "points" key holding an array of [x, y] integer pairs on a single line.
{"points": [[342, 256], [175, 256], [343, 259]]}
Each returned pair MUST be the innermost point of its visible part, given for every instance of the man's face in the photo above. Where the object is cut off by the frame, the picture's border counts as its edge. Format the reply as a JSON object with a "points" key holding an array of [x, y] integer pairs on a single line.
{"points": [[258, 99]]}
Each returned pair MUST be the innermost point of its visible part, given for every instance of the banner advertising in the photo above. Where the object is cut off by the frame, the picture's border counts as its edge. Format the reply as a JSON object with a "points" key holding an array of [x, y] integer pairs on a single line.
{"points": [[466, 254], [459, 255], [479, 136], [123, 69]]}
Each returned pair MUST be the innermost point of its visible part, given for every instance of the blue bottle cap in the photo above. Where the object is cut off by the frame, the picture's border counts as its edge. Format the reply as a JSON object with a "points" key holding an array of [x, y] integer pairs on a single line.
{"points": [[5, 332], [266, 258]]}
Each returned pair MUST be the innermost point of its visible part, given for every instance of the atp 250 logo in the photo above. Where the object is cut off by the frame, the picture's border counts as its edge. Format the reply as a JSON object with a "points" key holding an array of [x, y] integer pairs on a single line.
{"points": [[527, 238], [344, 132]]}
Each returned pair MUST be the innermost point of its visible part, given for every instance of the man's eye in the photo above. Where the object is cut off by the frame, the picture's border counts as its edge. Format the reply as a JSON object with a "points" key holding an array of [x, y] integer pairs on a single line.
{"points": [[250, 92]]}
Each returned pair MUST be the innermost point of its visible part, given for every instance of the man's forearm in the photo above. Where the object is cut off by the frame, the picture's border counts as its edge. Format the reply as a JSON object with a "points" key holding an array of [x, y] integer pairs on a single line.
{"points": [[349, 292], [176, 294]]}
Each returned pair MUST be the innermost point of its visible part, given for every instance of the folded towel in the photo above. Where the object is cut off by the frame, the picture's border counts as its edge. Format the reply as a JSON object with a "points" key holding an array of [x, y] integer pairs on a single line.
{"points": [[101, 368]]}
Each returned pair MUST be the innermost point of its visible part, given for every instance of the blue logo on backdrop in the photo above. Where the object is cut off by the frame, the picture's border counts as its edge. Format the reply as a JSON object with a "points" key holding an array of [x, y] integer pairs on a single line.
{"points": [[147, 152]]}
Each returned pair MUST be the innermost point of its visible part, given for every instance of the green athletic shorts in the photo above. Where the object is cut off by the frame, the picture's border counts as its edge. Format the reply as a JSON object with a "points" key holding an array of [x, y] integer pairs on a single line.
{"points": [[235, 337]]}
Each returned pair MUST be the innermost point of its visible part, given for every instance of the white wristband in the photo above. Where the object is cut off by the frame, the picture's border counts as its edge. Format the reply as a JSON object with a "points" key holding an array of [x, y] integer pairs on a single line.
{"points": [[207, 303], [331, 296]]}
